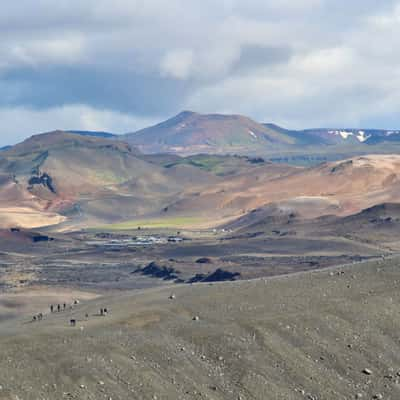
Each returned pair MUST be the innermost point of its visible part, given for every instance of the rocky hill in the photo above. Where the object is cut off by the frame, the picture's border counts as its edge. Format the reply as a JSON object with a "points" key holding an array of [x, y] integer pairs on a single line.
{"points": [[193, 133], [60, 176]]}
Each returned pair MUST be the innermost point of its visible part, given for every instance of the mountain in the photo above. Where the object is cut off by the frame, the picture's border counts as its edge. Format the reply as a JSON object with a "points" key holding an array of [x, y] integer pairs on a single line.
{"points": [[62, 177], [335, 136], [106, 135], [84, 180], [191, 133], [61, 140]]}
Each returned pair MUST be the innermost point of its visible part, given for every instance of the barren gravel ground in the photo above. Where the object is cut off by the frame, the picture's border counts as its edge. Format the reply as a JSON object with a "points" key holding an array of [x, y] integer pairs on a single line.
{"points": [[329, 334]]}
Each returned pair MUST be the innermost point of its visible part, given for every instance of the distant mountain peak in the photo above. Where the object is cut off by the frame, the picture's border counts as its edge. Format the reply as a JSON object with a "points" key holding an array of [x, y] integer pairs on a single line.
{"points": [[189, 132], [61, 139]]}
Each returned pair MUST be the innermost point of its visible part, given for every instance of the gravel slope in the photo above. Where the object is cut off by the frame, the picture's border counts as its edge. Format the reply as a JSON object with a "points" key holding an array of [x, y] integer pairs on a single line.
{"points": [[331, 334]]}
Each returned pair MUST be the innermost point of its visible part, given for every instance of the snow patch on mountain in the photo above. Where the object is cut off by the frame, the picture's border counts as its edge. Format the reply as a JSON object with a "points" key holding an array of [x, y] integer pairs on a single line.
{"points": [[362, 137], [343, 134]]}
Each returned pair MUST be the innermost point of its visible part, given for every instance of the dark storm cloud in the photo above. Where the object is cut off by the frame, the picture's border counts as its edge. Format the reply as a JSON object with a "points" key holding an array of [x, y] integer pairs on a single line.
{"points": [[120, 65], [115, 90]]}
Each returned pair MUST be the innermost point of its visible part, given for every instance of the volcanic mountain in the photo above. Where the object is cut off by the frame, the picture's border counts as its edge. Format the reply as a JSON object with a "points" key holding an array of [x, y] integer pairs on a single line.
{"points": [[86, 180], [191, 133], [56, 176]]}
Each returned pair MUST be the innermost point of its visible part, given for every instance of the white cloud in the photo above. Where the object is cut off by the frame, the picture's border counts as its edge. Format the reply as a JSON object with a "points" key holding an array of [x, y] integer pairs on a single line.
{"points": [[36, 52], [324, 62], [311, 63], [177, 64]]}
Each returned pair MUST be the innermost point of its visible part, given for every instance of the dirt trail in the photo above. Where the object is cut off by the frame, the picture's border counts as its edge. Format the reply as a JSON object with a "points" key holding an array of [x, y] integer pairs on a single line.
{"points": [[37, 299]]}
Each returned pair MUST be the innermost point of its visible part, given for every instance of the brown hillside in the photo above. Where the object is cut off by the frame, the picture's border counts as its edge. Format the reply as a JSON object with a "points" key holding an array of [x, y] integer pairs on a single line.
{"points": [[340, 188]]}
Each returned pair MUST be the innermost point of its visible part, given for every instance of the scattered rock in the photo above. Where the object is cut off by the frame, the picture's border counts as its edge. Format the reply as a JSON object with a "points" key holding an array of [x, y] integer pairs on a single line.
{"points": [[196, 318], [218, 275], [159, 271], [44, 180], [367, 371], [221, 275]]}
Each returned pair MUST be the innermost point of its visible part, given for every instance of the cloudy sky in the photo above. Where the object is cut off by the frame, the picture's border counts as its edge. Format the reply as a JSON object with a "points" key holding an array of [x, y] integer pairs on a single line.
{"points": [[123, 64]]}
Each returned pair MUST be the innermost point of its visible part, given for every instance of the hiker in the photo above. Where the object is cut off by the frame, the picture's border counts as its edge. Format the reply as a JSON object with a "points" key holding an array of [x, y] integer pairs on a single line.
{"points": [[72, 322], [40, 316], [58, 308], [101, 312], [51, 308], [64, 306], [105, 311]]}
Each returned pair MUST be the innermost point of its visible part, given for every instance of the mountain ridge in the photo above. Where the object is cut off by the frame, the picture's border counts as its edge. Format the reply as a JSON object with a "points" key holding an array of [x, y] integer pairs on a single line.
{"points": [[190, 133]]}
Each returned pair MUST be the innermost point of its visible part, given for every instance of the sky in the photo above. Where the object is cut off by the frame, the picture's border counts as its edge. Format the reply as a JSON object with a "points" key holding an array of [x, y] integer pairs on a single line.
{"points": [[122, 65]]}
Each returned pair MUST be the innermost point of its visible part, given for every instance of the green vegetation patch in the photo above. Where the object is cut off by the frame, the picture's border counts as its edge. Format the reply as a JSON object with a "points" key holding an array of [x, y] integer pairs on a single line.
{"points": [[208, 163], [107, 177], [216, 164], [172, 222]]}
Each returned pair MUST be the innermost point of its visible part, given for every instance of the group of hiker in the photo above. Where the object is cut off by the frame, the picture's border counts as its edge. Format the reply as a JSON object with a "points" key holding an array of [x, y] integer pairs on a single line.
{"points": [[103, 312], [37, 317], [52, 307], [63, 307]]}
